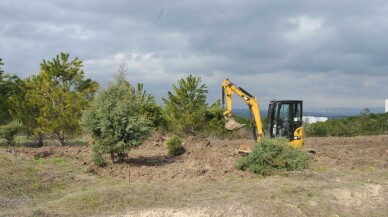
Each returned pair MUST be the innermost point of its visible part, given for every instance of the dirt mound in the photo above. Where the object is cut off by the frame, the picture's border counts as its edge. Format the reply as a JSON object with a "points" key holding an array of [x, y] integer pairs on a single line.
{"points": [[215, 159]]}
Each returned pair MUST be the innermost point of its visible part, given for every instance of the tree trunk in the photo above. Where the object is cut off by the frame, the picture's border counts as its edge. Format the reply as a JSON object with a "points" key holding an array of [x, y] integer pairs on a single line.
{"points": [[61, 138], [112, 157], [62, 141], [40, 140]]}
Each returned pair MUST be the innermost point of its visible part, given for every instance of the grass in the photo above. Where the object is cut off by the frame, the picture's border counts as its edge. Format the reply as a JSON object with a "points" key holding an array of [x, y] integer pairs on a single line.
{"points": [[57, 186], [31, 177], [22, 140]]}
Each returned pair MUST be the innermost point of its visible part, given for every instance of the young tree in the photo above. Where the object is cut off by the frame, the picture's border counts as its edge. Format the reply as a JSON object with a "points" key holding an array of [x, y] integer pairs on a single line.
{"points": [[185, 108], [60, 93], [116, 120]]}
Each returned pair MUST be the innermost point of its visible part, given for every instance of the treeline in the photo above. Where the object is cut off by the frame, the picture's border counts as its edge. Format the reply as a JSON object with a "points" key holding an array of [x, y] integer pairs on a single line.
{"points": [[60, 103], [365, 124]]}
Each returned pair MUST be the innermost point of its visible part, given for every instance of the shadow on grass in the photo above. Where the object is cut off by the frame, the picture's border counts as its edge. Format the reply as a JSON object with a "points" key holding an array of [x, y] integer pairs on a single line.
{"points": [[149, 161]]}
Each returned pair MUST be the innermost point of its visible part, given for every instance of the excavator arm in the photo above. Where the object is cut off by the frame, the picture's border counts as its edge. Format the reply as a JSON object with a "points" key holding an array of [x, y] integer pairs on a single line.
{"points": [[228, 88]]}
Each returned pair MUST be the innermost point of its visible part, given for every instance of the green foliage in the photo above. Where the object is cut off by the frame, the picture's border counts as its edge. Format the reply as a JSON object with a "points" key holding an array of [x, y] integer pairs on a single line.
{"points": [[10, 86], [148, 107], [1, 64], [98, 150], [24, 180], [272, 155], [214, 121], [365, 124], [365, 111], [174, 146], [185, 107], [54, 99], [9, 131], [116, 120]]}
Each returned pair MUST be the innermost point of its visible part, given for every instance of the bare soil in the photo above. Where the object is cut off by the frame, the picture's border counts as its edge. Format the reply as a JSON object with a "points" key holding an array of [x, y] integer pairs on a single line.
{"points": [[215, 159], [348, 177]]}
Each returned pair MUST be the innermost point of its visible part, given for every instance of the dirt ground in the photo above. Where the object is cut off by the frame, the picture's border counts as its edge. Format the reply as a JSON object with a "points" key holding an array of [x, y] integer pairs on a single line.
{"points": [[215, 159], [348, 177]]}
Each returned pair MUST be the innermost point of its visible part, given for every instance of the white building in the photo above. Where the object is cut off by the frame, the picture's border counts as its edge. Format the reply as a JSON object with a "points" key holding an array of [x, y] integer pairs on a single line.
{"points": [[386, 105], [312, 119]]}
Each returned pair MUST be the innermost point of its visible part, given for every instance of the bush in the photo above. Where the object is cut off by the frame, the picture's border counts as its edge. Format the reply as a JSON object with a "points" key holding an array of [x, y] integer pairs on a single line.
{"points": [[9, 131], [273, 155], [174, 146]]}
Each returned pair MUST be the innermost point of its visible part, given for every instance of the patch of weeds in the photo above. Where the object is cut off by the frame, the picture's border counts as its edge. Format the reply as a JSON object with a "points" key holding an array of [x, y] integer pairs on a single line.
{"points": [[370, 169], [103, 197], [174, 146], [3, 143], [42, 155], [40, 161], [39, 212], [25, 178], [301, 206], [310, 194], [59, 161], [321, 169]]}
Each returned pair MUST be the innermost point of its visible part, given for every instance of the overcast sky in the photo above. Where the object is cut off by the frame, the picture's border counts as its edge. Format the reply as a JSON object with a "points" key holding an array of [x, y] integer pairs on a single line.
{"points": [[331, 53]]}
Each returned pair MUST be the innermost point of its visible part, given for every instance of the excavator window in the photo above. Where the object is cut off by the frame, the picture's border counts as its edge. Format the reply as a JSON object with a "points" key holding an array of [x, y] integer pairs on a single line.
{"points": [[283, 120], [284, 112], [284, 117]]}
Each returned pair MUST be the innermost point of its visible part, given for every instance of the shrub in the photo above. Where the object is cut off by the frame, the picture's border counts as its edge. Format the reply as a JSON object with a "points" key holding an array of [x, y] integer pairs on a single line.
{"points": [[272, 155], [9, 131], [174, 146], [316, 129], [367, 124]]}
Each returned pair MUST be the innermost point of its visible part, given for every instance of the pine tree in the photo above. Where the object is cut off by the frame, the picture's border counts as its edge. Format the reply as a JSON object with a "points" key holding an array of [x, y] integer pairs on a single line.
{"points": [[60, 93], [185, 108]]}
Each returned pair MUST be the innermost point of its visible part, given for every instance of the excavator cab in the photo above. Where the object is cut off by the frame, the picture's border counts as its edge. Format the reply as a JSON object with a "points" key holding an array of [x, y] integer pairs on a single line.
{"points": [[284, 119]]}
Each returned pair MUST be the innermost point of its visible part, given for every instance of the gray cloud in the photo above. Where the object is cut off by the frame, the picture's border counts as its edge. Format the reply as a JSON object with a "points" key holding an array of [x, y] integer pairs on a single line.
{"points": [[329, 53]]}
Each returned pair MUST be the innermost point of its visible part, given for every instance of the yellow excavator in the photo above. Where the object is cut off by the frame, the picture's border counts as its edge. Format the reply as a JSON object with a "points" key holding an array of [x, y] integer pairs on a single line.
{"points": [[284, 118]]}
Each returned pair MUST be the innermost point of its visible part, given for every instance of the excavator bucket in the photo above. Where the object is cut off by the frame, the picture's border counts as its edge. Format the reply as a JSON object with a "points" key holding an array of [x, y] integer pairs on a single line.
{"points": [[231, 124], [245, 149]]}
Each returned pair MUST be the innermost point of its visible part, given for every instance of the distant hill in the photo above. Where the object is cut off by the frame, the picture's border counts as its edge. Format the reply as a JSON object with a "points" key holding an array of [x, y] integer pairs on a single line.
{"points": [[319, 112]]}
